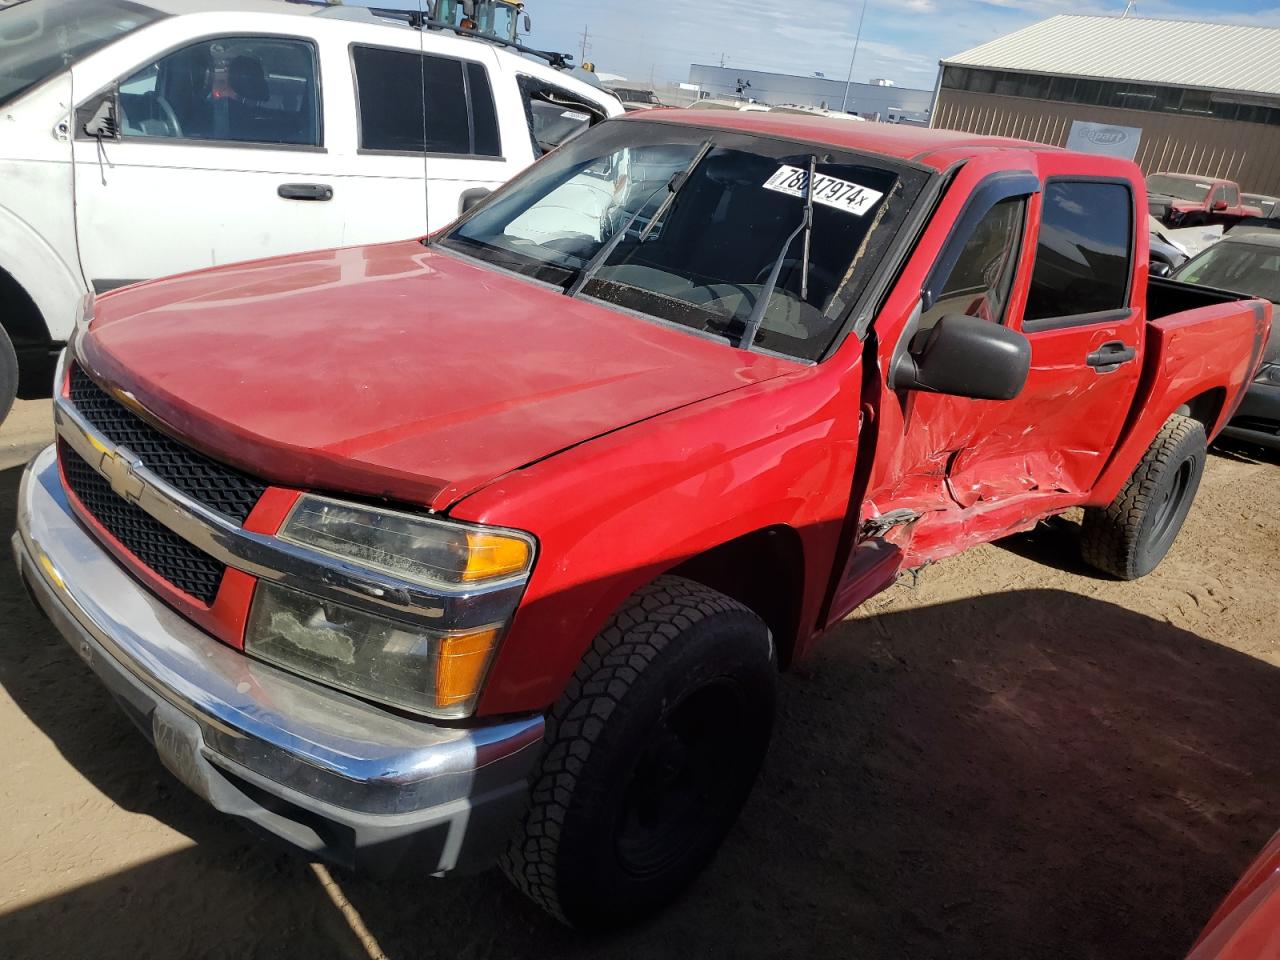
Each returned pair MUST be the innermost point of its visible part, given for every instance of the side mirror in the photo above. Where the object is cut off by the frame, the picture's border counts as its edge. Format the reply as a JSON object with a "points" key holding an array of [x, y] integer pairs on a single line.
{"points": [[964, 356], [528, 24], [1160, 269], [103, 122], [1219, 205]]}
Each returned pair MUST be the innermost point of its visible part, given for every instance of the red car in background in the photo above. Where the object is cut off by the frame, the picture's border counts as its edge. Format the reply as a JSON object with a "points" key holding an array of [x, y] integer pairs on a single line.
{"points": [[1185, 200], [1247, 925]]}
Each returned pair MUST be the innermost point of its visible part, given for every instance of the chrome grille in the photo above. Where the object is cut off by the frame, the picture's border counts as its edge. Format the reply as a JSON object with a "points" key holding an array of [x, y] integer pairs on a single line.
{"points": [[219, 487], [189, 569]]}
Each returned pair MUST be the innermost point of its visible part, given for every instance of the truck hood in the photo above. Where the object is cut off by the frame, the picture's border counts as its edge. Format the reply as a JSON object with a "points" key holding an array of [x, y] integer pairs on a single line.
{"points": [[393, 371]]}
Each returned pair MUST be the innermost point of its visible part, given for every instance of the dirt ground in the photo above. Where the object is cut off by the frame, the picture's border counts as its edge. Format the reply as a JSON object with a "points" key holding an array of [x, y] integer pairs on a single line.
{"points": [[1008, 758]]}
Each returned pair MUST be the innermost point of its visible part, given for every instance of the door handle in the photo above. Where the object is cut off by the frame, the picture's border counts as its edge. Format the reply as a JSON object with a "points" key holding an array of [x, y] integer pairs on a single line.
{"points": [[1110, 355], [305, 191]]}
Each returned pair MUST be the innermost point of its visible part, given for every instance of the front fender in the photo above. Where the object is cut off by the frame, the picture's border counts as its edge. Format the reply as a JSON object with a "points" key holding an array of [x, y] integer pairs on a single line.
{"points": [[613, 514], [1188, 355]]}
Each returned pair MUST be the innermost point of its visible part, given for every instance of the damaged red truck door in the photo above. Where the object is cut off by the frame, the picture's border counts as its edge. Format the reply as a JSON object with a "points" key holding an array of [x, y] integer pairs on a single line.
{"points": [[1070, 275]]}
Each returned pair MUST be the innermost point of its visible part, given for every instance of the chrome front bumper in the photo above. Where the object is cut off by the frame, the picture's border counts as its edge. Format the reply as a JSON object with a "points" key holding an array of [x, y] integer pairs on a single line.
{"points": [[336, 776]]}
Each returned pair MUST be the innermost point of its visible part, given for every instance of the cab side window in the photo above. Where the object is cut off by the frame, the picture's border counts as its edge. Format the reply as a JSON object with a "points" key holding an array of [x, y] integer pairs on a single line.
{"points": [[981, 280], [1233, 196], [1084, 255], [415, 103], [252, 90]]}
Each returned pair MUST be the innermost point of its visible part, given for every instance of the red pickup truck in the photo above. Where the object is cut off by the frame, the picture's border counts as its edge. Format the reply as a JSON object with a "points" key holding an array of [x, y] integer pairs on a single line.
{"points": [[490, 546], [1183, 200]]}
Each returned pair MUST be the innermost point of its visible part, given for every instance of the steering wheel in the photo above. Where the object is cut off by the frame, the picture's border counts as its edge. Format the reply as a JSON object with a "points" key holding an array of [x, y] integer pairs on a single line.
{"points": [[170, 117]]}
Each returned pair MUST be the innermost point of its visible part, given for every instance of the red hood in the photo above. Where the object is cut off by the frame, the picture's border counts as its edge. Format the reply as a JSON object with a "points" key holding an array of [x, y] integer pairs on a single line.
{"points": [[393, 370]]}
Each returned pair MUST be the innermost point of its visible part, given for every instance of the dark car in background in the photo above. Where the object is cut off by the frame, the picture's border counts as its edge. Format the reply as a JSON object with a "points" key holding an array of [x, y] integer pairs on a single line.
{"points": [[1248, 263]]}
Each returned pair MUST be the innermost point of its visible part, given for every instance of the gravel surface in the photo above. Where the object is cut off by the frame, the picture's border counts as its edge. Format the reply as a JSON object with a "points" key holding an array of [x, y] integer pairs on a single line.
{"points": [[1009, 757]]}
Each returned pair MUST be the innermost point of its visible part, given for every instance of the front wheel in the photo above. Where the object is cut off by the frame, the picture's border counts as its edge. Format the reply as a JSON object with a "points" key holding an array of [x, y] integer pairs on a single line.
{"points": [[8, 374], [651, 753], [1130, 537]]}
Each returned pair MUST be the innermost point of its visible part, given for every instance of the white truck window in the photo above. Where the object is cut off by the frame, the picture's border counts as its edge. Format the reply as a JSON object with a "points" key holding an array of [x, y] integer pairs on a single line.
{"points": [[555, 116], [239, 89], [397, 90]]}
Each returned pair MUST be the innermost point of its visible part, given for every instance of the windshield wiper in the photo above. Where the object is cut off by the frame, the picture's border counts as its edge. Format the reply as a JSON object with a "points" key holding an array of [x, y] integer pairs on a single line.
{"points": [[766, 293], [674, 186]]}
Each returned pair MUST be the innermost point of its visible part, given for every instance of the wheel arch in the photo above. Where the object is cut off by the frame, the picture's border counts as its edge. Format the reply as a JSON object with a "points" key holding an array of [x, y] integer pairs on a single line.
{"points": [[1206, 407], [764, 571], [34, 275], [1203, 405]]}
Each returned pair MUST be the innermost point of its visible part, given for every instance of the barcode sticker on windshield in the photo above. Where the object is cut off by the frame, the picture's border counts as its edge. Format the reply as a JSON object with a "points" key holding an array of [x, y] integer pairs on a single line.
{"points": [[828, 191]]}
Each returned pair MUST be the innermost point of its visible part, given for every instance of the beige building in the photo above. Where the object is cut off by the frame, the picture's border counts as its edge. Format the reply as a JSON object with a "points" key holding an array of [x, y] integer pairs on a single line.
{"points": [[1205, 96]]}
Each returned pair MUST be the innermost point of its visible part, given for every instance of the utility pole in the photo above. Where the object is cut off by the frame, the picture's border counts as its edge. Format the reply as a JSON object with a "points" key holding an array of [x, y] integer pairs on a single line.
{"points": [[586, 35], [722, 61], [844, 108]]}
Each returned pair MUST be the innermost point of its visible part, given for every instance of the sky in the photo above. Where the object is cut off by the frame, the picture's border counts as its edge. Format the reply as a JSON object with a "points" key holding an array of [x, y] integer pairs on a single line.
{"points": [[901, 41]]}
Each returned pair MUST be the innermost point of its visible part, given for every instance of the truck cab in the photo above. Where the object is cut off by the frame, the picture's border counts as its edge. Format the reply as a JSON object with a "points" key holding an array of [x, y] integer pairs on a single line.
{"points": [[490, 546]]}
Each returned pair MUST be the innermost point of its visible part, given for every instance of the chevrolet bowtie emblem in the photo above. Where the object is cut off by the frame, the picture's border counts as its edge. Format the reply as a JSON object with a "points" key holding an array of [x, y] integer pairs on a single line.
{"points": [[118, 468]]}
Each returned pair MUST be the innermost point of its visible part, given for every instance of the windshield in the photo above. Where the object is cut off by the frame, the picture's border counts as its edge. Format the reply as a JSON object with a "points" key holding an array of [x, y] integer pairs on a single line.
{"points": [[1180, 188], [1238, 267], [41, 38], [700, 247]]}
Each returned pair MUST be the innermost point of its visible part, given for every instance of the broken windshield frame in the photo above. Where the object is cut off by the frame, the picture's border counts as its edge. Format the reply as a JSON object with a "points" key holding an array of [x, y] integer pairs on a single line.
{"points": [[706, 263]]}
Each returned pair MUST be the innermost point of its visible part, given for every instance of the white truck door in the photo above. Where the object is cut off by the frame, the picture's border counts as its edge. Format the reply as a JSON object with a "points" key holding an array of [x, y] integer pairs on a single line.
{"points": [[219, 157], [462, 150]]}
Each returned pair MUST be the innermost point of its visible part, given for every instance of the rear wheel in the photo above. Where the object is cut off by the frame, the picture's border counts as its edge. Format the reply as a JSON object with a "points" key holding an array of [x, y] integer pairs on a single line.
{"points": [[651, 753], [8, 374], [1130, 537]]}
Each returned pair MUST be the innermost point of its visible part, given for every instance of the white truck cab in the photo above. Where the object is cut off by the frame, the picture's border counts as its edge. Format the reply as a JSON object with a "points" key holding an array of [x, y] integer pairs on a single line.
{"points": [[141, 138]]}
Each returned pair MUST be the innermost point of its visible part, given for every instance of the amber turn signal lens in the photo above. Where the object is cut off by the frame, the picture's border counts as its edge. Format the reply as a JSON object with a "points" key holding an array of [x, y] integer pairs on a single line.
{"points": [[491, 556], [461, 665]]}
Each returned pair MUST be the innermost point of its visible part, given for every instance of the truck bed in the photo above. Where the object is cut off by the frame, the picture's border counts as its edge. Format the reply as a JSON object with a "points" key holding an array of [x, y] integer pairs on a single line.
{"points": [[1166, 297]]}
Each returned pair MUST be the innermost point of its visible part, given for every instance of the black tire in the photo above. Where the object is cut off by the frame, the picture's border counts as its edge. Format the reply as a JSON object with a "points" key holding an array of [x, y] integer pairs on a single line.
{"points": [[8, 374], [650, 754], [1130, 537]]}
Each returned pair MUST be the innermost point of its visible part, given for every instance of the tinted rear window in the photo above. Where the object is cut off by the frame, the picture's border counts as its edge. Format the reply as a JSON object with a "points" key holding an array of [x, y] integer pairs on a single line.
{"points": [[400, 89], [1083, 253]]}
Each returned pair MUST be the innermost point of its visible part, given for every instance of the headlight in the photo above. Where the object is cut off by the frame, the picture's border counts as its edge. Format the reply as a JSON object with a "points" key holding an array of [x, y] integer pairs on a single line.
{"points": [[435, 553], [399, 661], [405, 665]]}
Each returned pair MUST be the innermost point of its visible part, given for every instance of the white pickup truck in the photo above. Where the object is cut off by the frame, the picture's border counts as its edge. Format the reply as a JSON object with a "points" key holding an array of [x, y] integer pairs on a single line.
{"points": [[141, 139]]}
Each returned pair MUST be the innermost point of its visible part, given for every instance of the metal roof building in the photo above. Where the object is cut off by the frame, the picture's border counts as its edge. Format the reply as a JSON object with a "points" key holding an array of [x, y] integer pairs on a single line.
{"points": [[1204, 96]]}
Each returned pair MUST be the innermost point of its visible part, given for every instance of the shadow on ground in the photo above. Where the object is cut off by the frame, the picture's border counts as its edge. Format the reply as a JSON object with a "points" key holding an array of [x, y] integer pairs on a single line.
{"points": [[1028, 774], [1242, 451]]}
